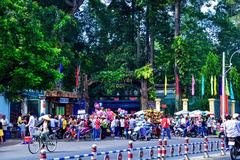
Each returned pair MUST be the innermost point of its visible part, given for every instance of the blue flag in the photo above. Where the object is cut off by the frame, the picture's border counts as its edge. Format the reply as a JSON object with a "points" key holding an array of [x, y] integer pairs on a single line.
{"points": [[203, 85], [231, 91], [60, 68]]}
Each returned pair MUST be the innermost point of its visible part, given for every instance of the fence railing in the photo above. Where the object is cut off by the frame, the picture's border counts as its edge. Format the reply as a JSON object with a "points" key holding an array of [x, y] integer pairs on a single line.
{"points": [[161, 149]]}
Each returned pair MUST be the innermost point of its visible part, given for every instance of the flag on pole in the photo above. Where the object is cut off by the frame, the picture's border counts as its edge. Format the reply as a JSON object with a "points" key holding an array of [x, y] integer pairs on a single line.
{"points": [[231, 91], [77, 75], [211, 85], [203, 85], [215, 86], [227, 89], [193, 85], [177, 84], [165, 86], [220, 85], [60, 67]]}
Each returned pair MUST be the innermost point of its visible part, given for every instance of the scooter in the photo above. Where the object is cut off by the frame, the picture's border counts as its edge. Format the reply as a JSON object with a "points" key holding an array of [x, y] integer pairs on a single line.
{"points": [[141, 131], [234, 144]]}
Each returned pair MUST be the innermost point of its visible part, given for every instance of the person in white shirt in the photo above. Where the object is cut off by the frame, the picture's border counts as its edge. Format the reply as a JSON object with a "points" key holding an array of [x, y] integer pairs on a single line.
{"points": [[231, 129], [5, 123], [122, 124], [31, 124]]}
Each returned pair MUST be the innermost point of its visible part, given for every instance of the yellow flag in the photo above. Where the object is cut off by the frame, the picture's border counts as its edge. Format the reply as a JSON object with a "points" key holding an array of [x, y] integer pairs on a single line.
{"points": [[215, 86], [227, 89], [165, 86]]}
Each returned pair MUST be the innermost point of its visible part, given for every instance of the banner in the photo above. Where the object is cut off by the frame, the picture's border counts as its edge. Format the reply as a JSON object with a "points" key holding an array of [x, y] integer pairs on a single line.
{"points": [[227, 89], [203, 85], [215, 86], [165, 86], [211, 85], [177, 85], [193, 85], [231, 91]]}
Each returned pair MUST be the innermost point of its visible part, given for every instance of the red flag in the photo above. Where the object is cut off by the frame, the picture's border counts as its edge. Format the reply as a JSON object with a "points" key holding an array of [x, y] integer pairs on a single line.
{"points": [[177, 84], [77, 74]]}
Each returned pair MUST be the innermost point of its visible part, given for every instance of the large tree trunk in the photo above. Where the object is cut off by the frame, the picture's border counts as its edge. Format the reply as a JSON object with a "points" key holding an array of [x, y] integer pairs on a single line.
{"points": [[75, 4], [144, 94], [177, 33], [85, 91]]}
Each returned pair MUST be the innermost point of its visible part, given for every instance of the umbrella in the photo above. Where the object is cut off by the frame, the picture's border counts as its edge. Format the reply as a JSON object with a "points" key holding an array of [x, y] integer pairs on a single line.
{"points": [[182, 112], [139, 113]]}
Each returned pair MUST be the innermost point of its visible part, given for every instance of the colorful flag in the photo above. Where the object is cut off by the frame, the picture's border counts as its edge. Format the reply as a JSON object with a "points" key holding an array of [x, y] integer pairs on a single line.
{"points": [[203, 85], [220, 85], [177, 84], [227, 89], [60, 68], [231, 91], [77, 75], [165, 86], [215, 86], [211, 85], [193, 85]]}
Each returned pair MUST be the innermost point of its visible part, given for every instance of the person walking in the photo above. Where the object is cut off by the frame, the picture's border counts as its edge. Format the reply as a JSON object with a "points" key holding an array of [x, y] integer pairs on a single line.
{"points": [[165, 127], [1, 132], [31, 124], [4, 126], [122, 125]]}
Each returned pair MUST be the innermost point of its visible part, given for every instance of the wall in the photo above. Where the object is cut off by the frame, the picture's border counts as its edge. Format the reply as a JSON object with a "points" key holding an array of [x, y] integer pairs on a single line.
{"points": [[4, 106]]}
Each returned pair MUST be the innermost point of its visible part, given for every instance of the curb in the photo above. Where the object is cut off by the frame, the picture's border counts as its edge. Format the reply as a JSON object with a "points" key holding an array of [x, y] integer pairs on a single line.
{"points": [[212, 157]]}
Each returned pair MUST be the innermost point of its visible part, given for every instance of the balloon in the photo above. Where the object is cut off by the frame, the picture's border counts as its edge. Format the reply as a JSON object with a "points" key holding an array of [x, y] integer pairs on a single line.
{"points": [[100, 104]]}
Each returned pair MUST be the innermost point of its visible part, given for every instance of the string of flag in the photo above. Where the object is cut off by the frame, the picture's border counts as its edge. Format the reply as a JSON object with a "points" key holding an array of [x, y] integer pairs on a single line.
{"points": [[213, 86]]}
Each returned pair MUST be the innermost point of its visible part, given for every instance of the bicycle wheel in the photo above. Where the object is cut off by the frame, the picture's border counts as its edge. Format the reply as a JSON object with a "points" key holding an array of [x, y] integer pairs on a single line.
{"points": [[52, 143], [34, 145], [67, 136]]}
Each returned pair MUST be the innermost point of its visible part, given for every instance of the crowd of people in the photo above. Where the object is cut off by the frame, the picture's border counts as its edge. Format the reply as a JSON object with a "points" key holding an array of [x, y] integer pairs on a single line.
{"points": [[106, 123]]}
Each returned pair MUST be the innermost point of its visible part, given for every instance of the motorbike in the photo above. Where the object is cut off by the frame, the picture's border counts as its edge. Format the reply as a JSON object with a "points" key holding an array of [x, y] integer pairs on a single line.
{"points": [[179, 131], [141, 131], [234, 144], [85, 133]]}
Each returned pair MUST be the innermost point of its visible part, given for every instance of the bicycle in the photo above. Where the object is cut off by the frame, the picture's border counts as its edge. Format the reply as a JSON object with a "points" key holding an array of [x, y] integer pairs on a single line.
{"points": [[38, 142]]}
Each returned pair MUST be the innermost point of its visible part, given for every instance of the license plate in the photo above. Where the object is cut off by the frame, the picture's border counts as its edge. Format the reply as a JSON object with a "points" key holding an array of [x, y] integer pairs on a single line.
{"points": [[231, 143]]}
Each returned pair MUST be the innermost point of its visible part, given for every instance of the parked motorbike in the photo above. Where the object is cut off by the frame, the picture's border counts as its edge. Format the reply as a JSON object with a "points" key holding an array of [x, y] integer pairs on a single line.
{"points": [[141, 131], [85, 133], [179, 131], [234, 144]]}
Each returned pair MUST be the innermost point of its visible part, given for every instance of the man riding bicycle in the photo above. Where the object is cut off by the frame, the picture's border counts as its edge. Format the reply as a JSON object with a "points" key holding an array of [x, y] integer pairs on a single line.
{"points": [[46, 127]]}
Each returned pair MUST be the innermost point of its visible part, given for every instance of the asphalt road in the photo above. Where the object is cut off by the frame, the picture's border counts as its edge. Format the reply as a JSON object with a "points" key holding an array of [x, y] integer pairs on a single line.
{"points": [[20, 151]]}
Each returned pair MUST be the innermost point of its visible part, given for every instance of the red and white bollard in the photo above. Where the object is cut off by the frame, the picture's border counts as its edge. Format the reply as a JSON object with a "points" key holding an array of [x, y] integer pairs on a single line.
{"points": [[206, 155], [172, 150], [43, 155], [222, 146], [159, 150], [119, 156], [94, 152], [164, 150], [186, 149], [130, 150]]}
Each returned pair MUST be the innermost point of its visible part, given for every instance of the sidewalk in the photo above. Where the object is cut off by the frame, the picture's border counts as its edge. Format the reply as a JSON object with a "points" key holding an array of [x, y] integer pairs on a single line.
{"points": [[10, 142]]}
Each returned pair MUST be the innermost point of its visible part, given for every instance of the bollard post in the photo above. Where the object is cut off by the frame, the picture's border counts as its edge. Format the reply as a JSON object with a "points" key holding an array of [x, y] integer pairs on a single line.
{"points": [[159, 150], [206, 155], [186, 149], [130, 150], [119, 156], [141, 154], [164, 150], [43, 155], [179, 150], [106, 157], [172, 150], [151, 153], [222, 146], [193, 148], [94, 152]]}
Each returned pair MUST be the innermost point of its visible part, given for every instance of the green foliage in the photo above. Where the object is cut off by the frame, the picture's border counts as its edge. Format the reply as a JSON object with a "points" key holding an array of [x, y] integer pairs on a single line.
{"points": [[145, 72], [31, 48]]}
